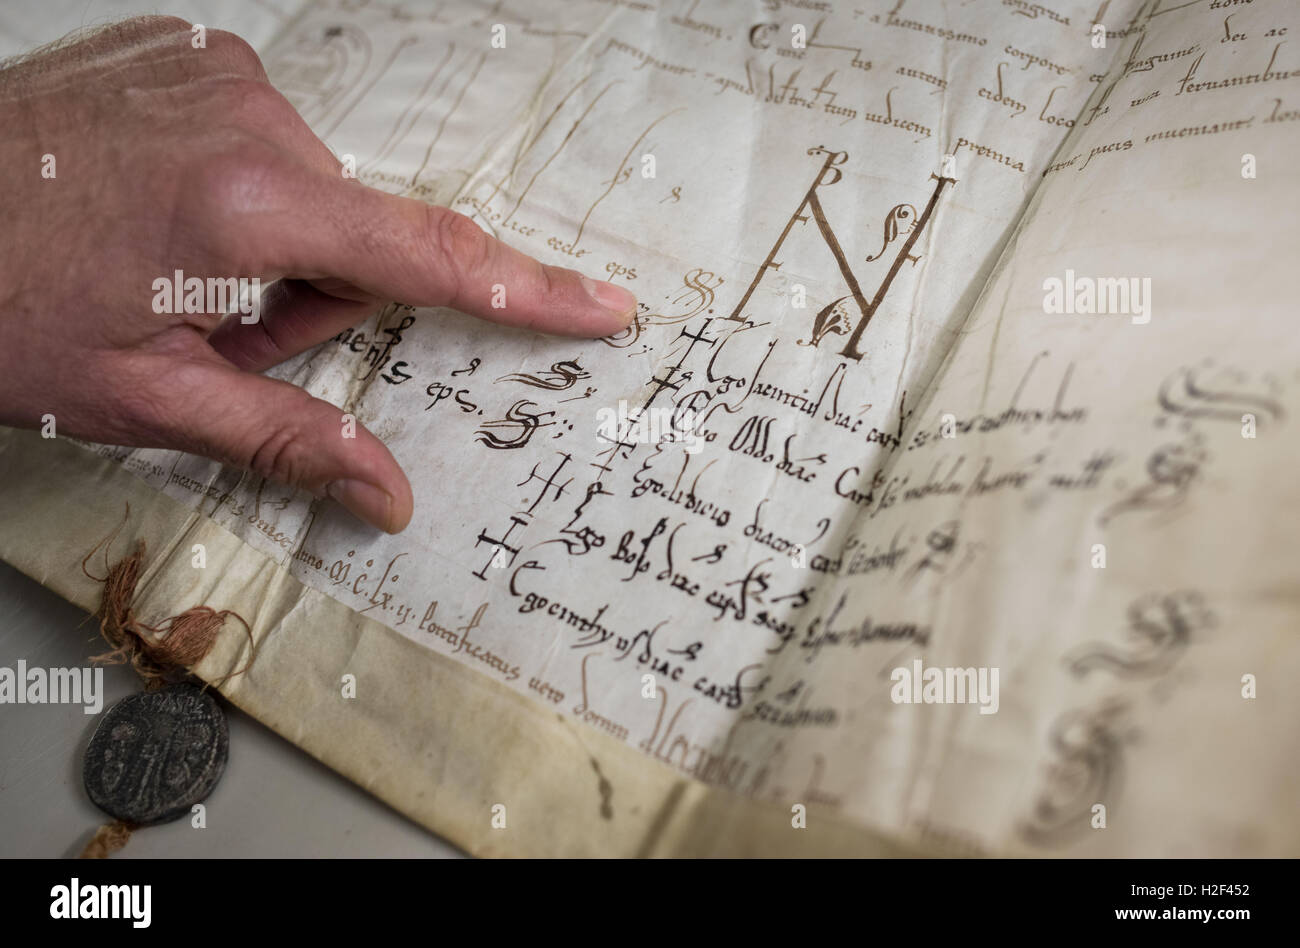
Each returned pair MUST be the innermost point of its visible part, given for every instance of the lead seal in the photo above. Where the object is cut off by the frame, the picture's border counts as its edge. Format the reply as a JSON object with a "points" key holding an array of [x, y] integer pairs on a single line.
{"points": [[156, 754]]}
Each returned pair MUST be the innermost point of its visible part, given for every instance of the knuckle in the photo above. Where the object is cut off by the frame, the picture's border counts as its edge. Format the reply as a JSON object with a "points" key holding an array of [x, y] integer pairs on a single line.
{"points": [[463, 249], [235, 51], [237, 179], [283, 455], [252, 102], [229, 192], [546, 277], [460, 241]]}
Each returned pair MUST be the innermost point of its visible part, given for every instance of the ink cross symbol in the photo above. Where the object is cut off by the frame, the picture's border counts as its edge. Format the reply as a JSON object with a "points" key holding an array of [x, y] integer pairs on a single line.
{"points": [[523, 517], [501, 545], [548, 483]]}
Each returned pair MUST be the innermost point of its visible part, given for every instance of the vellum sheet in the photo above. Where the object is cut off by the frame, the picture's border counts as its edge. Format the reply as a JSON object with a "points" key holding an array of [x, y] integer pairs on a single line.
{"points": [[667, 592]]}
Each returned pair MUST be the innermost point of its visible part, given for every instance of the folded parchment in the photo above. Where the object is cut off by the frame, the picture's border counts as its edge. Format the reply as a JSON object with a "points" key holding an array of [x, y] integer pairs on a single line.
{"points": [[937, 502]]}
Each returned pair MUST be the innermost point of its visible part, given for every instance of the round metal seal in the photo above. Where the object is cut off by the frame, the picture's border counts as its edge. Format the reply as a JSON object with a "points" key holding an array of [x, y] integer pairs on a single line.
{"points": [[155, 754]]}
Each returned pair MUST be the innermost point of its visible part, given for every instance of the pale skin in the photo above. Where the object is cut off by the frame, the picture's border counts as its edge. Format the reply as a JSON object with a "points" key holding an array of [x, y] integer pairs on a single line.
{"points": [[173, 158]]}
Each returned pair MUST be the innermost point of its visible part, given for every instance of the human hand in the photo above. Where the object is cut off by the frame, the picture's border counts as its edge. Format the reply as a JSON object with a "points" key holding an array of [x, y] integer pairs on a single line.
{"points": [[173, 158]]}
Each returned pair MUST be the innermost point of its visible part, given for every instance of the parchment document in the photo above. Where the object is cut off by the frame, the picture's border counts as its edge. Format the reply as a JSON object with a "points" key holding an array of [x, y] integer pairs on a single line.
{"points": [[940, 499]]}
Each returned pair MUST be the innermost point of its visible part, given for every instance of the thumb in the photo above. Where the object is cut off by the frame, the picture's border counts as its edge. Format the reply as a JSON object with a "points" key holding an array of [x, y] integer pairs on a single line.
{"points": [[278, 431]]}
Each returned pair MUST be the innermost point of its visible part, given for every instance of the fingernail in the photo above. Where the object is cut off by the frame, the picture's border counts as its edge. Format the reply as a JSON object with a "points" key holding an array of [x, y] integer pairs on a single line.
{"points": [[372, 504], [613, 298]]}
